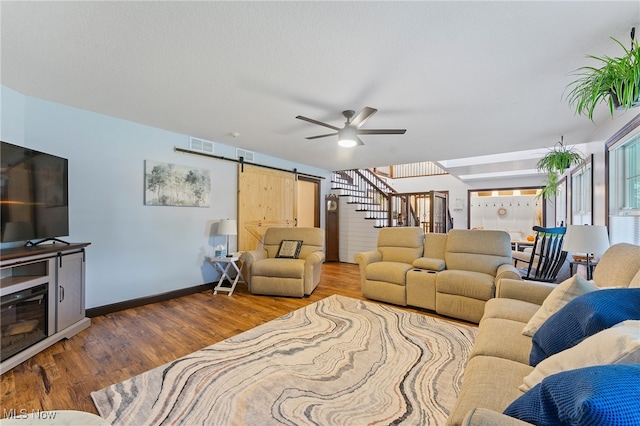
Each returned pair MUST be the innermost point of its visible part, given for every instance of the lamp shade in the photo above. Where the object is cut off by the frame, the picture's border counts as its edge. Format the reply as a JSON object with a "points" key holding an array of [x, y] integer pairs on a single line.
{"points": [[586, 239], [227, 227]]}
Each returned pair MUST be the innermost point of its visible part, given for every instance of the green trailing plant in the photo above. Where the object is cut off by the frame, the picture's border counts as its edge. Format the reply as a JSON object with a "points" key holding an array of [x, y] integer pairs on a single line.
{"points": [[555, 163], [616, 82]]}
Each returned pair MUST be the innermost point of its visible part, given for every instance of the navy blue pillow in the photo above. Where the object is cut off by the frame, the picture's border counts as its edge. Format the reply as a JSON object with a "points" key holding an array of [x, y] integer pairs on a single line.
{"points": [[582, 317], [601, 395]]}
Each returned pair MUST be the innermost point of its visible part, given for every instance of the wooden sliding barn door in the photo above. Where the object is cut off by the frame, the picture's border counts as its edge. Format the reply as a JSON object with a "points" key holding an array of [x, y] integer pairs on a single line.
{"points": [[266, 198]]}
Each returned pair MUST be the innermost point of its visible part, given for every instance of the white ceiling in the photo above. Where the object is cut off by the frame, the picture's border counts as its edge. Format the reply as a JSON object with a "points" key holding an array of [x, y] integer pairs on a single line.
{"points": [[464, 78]]}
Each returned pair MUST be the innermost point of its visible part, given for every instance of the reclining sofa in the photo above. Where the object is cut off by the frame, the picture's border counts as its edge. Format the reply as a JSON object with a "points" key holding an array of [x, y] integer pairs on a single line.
{"points": [[453, 274], [499, 362]]}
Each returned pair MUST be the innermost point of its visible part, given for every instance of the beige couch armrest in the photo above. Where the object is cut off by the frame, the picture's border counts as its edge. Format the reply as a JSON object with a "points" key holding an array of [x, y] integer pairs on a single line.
{"points": [[527, 291], [507, 270], [365, 258], [486, 417], [314, 258], [248, 258]]}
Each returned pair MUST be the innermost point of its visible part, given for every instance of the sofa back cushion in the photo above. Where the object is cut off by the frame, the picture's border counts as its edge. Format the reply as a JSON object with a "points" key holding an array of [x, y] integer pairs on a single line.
{"points": [[313, 240], [435, 245], [477, 250], [618, 266], [401, 244]]}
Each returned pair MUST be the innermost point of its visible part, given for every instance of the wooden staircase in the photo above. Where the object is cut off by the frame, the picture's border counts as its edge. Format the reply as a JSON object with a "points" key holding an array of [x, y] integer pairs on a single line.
{"points": [[366, 192]]}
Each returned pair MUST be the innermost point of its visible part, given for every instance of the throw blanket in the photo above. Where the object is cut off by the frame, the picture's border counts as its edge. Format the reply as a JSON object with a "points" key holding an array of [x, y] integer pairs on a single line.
{"points": [[336, 361]]}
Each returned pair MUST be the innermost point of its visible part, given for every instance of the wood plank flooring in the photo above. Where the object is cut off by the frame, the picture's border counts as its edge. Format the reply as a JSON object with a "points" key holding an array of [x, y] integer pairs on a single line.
{"points": [[126, 343]]}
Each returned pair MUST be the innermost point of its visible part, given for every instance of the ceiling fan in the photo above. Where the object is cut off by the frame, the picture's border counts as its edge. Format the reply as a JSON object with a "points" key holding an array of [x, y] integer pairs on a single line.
{"points": [[348, 135]]}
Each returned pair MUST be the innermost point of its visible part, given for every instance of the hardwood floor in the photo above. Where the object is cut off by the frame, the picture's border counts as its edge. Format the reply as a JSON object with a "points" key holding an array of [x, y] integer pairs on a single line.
{"points": [[126, 343]]}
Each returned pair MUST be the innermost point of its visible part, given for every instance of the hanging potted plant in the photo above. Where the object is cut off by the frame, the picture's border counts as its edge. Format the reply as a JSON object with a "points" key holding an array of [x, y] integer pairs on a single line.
{"points": [[616, 82], [554, 164]]}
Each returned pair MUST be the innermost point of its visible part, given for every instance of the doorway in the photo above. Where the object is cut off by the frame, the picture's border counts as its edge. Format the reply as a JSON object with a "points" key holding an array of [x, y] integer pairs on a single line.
{"points": [[274, 198], [514, 210]]}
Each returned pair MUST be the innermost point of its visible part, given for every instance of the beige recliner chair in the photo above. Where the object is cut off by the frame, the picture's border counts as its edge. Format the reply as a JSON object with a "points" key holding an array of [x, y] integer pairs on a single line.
{"points": [[383, 271], [294, 274]]}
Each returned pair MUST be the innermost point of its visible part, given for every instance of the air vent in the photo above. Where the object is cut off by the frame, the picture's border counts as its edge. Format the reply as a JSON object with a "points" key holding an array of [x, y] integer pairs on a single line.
{"points": [[246, 155], [201, 145]]}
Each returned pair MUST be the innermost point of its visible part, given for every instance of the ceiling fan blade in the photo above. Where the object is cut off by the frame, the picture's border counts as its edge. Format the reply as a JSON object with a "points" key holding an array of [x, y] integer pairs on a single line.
{"points": [[319, 123], [363, 116], [321, 136], [381, 131], [359, 141]]}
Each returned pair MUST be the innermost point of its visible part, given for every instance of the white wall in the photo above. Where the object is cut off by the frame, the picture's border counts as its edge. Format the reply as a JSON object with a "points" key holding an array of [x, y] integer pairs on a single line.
{"points": [[135, 250]]}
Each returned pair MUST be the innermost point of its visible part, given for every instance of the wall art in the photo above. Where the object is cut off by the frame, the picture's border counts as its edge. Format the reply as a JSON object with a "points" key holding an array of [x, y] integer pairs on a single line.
{"points": [[167, 184]]}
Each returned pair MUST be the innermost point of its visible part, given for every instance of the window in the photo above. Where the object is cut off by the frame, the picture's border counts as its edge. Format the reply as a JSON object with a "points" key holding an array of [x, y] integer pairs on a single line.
{"points": [[581, 198], [624, 190], [561, 203], [632, 174], [625, 177]]}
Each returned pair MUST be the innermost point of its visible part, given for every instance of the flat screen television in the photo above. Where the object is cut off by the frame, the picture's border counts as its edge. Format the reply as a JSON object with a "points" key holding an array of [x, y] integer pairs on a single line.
{"points": [[34, 201]]}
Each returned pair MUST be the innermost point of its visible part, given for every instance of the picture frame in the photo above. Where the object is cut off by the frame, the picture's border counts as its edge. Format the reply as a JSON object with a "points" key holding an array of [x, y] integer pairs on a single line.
{"points": [[168, 184]]}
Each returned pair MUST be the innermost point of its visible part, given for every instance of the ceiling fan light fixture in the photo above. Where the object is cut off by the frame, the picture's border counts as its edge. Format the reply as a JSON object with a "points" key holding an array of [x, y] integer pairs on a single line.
{"points": [[348, 137]]}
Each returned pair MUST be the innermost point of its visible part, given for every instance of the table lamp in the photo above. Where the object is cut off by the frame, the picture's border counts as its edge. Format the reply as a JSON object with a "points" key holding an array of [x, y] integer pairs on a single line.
{"points": [[588, 239], [227, 227]]}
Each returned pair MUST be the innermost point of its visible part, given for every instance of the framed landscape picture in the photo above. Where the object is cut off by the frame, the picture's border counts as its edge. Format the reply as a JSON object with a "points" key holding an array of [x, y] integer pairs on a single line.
{"points": [[167, 184]]}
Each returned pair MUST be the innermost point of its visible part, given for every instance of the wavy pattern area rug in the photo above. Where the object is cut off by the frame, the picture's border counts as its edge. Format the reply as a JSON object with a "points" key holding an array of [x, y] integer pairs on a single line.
{"points": [[339, 361]]}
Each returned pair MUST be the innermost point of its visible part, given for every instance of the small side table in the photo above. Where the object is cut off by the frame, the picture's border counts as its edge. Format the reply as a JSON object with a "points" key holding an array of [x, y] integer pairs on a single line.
{"points": [[224, 264], [592, 265]]}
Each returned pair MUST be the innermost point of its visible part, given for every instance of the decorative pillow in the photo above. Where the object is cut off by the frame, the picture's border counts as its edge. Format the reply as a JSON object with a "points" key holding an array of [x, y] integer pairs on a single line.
{"points": [[560, 296], [289, 249], [619, 344], [582, 317], [601, 395]]}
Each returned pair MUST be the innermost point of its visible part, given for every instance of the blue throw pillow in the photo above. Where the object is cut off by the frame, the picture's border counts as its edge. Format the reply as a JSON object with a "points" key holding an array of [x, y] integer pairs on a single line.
{"points": [[601, 395], [582, 317]]}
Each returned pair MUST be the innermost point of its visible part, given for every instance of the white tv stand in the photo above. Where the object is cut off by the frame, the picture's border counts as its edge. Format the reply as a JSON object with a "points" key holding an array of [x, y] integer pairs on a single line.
{"points": [[62, 268]]}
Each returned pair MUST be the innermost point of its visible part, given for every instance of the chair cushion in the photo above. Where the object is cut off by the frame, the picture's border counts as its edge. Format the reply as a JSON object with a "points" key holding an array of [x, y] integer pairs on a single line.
{"points": [[488, 382], [477, 250], [618, 266], [583, 317], [402, 245], [619, 344], [600, 395], [561, 295], [277, 267], [475, 285], [313, 239], [491, 340], [391, 272], [512, 309]]}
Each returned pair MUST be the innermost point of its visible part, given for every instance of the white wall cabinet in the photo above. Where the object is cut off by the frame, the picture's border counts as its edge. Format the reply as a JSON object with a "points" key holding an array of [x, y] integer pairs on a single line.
{"points": [[42, 292], [69, 289]]}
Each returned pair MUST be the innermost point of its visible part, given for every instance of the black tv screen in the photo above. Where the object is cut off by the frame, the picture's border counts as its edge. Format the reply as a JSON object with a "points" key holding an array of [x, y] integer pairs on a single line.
{"points": [[34, 202]]}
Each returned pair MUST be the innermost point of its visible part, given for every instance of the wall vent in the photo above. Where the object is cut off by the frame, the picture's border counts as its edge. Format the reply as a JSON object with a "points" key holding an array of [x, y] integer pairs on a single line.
{"points": [[247, 155], [201, 145]]}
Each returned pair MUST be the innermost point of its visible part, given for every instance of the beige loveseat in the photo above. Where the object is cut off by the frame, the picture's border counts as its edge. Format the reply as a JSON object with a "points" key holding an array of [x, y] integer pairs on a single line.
{"points": [[499, 360], [453, 274], [268, 274]]}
